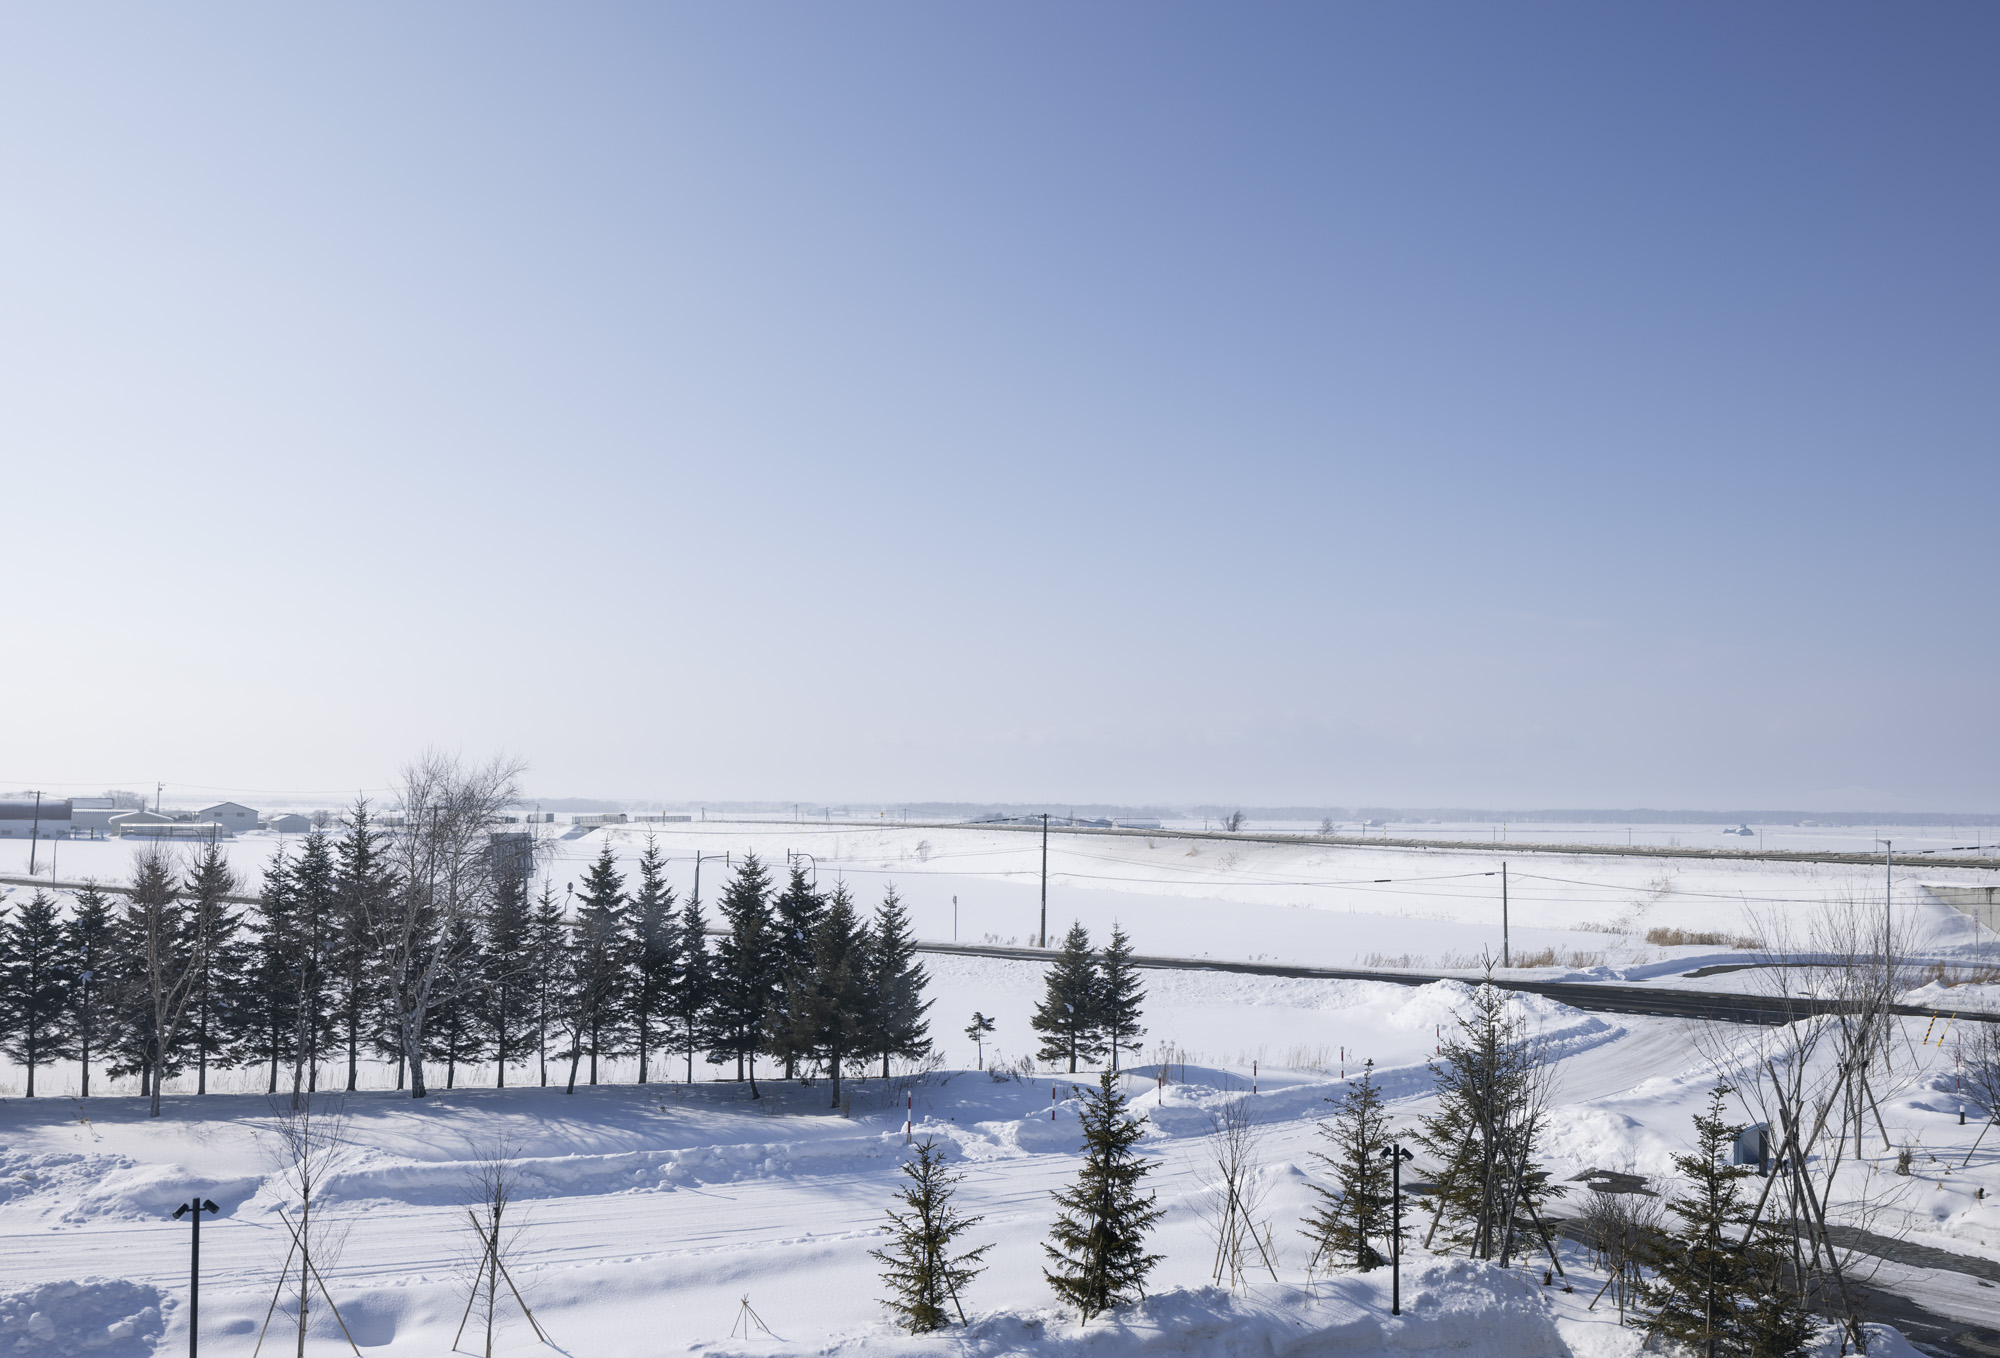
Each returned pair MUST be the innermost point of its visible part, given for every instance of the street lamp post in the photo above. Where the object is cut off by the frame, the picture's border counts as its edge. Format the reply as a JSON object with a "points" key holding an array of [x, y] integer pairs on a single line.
{"points": [[725, 858], [1396, 1154], [793, 855], [195, 1207]]}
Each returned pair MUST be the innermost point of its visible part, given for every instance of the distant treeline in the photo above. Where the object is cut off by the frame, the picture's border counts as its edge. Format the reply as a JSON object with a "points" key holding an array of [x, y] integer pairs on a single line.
{"points": [[1306, 814], [1630, 817]]}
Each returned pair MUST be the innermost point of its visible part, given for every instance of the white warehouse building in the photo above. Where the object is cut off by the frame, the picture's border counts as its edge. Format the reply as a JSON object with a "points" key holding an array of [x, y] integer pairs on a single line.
{"points": [[25, 820], [232, 816]]}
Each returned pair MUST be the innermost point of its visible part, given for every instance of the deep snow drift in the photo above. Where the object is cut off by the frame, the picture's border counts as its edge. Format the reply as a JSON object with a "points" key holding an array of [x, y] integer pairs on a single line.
{"points": [[651, 1212]]}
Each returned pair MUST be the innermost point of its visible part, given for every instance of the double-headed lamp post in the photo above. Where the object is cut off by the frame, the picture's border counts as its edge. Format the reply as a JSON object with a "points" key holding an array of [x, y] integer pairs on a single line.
{"points": [[195, 1206], [793, 855], [1395, 1153]]}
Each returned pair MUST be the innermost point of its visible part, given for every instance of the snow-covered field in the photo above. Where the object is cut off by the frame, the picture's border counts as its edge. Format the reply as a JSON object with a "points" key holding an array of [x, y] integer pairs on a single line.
{"points": [[1333, 905], [652, 1212]]}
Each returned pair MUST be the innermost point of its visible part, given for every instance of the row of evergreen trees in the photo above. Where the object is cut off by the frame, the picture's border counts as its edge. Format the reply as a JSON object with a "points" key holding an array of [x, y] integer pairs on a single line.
{"points": [[180, 976]]}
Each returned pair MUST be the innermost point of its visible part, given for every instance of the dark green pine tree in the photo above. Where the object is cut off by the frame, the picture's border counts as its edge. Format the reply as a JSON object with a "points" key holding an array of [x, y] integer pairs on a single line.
{"points": [[548, 938], [829, 1007], [457, 1025], [156, 931], [97, 964], [365, 887], [746, 970], [690, 1004], [1119, 996], [1098, 1242], [797, 914], [919, 1267], [1712, 1291], [1067, 1016], [266, 1023], [219, 960], [655, 952], [36, 972], [1353, 1215], [507, 947], [598, 965], [316, 896], [896, 1022]]}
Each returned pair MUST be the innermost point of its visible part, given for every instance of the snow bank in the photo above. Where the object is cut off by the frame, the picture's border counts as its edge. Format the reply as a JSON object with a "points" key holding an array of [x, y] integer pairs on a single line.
{"points": [[78, 1188], [1450, 1307], [113, 1318]]}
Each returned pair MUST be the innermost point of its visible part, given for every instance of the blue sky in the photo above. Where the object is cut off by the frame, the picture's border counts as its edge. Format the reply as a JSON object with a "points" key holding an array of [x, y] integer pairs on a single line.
{"points": [[1534, 405]]}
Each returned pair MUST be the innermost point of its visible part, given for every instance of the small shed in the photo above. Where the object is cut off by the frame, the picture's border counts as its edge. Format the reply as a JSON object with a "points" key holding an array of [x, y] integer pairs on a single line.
{"points": [[289, 823], [1753, 1145]]}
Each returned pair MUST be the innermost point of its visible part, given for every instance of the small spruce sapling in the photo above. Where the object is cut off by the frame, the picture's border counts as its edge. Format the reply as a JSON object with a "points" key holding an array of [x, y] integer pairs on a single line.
{"points": [[977, 1031], [1711, 1290], [1098, 1242], [918, 1266], [1355, 1213]]}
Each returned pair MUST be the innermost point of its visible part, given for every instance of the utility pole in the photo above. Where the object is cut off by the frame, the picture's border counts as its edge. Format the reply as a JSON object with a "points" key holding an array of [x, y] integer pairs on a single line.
{"points": [[34, 833], [1888, 895], [1503, 914], [159, 790], [197, 1206], [1888, 924], [1045, 879]]}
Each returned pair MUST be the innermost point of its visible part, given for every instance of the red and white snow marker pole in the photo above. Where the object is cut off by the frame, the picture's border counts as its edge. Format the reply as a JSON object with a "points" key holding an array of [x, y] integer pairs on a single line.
{"points": [[1052, 1103], [909, 1116]]}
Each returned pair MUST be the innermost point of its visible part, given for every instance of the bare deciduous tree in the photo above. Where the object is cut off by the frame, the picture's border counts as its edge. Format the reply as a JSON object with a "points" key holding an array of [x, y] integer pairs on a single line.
{"points": [[1830, 1072], [1235, 1194], [1621, 1224], [308, 1144], [445, 874], [492, 1180], [1981, 1076]]}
